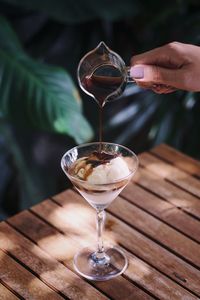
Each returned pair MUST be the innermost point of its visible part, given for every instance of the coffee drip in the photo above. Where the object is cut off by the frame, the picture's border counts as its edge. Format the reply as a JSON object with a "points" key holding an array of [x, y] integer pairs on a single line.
{"points": [[102, 74], [103, 83]]}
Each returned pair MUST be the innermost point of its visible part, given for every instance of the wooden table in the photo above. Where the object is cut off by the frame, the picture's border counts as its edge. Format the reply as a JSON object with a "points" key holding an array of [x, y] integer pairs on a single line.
{"points": [[155, 220]]}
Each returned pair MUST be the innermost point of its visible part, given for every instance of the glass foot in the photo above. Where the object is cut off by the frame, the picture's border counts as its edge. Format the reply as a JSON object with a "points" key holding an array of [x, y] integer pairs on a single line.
{"points": [[111, 265]]}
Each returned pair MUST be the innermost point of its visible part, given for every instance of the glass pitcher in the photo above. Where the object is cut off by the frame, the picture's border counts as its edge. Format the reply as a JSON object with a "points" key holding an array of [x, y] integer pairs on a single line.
{"points": [[102, 74]]}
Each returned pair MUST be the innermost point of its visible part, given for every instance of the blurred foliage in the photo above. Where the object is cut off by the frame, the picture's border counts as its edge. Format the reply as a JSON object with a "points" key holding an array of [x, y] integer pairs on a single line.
{"points": [[60, 33], [80, 11], [36, 94]]}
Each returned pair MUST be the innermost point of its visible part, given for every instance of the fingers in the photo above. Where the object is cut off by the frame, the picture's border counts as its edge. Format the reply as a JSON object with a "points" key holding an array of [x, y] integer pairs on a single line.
{"points": [[157, 88], [170, 67], [151, 74], [149, 57], [163, 89], [168, 56]]}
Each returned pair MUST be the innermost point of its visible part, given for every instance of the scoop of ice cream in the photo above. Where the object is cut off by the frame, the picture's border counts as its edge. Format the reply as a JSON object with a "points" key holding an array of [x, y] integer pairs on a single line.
{"points": [[116, 169]]}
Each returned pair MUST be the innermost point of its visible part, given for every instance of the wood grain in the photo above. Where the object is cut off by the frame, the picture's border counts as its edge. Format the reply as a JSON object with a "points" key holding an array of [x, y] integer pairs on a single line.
{"points": [[168, 191], [47, 268], [155, 221], [63, 249], [128, 237], [6, 294], [132, 240], [158, 231], [138, 271], [171, 173], [163, 210], [22, 281], [182, 161]]}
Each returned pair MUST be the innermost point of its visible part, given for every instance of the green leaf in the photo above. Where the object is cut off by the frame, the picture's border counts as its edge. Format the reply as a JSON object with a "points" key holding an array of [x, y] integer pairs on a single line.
{"points": [[80, 11], [35, 94], [12, 43]]}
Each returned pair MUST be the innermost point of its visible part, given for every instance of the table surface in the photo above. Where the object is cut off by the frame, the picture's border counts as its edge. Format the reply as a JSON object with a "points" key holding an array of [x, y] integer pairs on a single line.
{"points": [[155, 221]]}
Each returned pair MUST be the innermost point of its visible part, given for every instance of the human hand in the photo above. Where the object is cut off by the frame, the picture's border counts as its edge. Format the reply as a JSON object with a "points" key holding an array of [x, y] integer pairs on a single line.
{"points": [[170, 67]]}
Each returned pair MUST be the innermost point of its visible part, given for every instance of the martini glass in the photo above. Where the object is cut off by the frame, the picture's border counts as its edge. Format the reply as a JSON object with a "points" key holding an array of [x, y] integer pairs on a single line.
{"points": [[101, 263]]}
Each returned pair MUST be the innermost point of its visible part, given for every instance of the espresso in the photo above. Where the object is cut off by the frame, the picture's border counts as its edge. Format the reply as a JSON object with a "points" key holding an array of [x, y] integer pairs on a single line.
{"points": [[105, 83]]}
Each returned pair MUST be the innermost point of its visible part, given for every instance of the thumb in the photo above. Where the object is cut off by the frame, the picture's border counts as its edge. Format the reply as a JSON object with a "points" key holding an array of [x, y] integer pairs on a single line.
{"points": [[152, 74]]}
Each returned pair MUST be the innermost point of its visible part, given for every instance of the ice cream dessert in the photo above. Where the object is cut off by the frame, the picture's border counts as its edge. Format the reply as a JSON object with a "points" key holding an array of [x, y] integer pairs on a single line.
{"points": [[100, 177], [100, 168], [109, 172]]}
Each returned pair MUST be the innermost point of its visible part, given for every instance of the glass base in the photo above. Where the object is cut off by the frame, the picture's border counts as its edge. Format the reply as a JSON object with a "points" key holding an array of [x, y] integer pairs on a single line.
{"points": [[89, 266]]}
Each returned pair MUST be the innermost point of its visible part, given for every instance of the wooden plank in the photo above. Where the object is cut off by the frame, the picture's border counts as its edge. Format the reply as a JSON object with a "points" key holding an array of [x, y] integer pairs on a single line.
{"points": [[47, 268], [168, 191], [171, 173], [138, 271], [22, 281], [63, 249], [6, 294], [157, 230], [163, 210], [121, 233], [182, 161], [159, 285], [77, 219]]}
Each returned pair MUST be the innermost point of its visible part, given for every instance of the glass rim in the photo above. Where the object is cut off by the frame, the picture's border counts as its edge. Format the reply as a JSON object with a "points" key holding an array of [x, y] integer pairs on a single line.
{"points": [[97, 143]]}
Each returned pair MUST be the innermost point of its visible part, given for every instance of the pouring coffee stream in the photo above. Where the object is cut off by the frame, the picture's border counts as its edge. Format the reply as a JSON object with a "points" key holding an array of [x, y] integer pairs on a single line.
{"points": [[103, 75]]}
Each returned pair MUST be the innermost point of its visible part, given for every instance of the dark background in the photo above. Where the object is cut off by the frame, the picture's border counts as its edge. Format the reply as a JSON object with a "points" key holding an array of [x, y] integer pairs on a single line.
{"points": [[60, 33]]}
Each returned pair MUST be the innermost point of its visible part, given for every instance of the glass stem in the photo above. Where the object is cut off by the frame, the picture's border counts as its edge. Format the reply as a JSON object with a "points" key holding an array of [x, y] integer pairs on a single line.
{"points": [[100, 225]]}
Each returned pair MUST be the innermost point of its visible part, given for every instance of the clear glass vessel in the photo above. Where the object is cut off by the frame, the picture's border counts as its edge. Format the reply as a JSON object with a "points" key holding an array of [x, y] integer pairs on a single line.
{"points": [[107, 70], [100, 263]]}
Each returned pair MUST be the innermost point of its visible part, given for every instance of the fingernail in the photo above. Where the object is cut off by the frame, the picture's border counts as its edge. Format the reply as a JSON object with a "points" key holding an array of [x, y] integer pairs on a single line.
{"points": [[137, 72]]}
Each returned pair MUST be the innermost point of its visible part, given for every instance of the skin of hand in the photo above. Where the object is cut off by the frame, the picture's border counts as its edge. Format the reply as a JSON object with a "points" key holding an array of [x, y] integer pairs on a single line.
{"points": [[168, 68]]}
